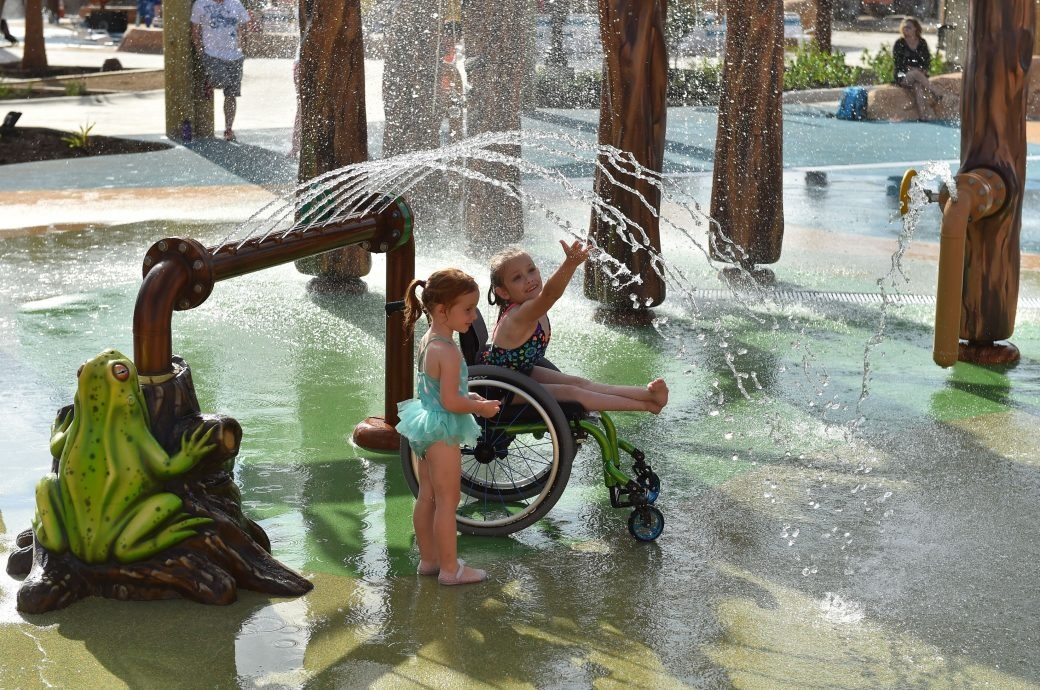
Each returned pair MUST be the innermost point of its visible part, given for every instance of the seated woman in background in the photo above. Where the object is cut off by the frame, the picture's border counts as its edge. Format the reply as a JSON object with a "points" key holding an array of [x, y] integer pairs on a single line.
{"points": [[912, 60]]}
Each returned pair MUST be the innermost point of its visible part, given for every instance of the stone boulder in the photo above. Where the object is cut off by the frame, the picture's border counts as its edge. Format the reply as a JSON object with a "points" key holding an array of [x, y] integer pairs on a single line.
{"points": [[140, 39], [890, 102]]}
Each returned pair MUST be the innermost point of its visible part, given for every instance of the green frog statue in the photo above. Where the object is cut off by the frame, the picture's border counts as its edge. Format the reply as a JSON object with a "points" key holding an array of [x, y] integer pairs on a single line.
{"points": [[123, 518], [106, 502]]}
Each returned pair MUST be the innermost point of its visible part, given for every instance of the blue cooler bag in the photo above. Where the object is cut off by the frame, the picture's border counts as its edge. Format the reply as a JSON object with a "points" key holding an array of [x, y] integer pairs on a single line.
{"points": [[853, 104]]}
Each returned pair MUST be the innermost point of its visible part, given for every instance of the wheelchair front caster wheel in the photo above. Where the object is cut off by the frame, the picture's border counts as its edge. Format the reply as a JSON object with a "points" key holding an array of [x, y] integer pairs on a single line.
{"points": [[646, 523], [650, 483]]}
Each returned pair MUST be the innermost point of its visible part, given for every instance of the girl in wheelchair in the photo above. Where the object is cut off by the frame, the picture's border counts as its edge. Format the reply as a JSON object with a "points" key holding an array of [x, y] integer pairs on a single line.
{"points": [[521, 334], [440, 419]]}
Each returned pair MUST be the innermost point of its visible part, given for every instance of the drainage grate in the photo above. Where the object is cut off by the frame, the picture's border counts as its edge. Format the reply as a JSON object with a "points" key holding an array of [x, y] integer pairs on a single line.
{"points": [[852, 297]]}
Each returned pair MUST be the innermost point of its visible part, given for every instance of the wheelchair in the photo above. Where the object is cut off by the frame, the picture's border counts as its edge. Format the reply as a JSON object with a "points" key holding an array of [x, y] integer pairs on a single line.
{"points": [[520, 465]]}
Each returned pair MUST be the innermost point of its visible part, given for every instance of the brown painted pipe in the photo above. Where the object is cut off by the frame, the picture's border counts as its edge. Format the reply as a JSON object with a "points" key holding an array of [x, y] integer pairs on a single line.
{"points": [[980, 193], [398, 381], [185, 271]]}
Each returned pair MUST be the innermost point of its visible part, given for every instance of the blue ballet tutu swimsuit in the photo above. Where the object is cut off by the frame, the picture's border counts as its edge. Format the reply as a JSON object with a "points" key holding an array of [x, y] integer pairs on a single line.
{"points": [[424, 421]]}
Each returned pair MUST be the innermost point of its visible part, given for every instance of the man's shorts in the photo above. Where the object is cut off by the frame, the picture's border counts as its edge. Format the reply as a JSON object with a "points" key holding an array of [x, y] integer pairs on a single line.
{"points": [[225, 75]]}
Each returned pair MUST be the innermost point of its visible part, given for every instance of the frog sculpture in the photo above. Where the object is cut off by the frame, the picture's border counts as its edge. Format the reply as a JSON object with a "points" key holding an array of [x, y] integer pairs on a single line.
{"points": [[141, 502], [106, 500]]}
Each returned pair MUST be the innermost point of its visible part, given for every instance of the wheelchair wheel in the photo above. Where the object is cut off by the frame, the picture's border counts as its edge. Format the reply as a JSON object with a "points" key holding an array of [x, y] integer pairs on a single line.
{"points": [[646, 523], [521, 463]]}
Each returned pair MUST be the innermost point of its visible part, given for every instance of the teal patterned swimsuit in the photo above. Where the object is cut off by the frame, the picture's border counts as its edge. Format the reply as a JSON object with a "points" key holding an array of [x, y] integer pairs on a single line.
{"points": [[522, 358], [424, 421]]}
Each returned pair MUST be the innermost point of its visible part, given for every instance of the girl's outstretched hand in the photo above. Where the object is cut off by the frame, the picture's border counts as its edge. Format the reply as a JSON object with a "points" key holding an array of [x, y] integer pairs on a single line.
{"points": [[576, 252]]}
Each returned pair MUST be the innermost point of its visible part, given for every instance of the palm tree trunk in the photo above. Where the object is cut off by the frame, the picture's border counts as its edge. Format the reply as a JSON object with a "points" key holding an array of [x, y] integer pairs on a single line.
{"points": [[34, 54]]}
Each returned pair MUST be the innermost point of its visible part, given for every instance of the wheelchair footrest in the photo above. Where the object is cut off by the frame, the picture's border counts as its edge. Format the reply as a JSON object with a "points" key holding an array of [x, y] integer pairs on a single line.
{"points": [[641, 491]]}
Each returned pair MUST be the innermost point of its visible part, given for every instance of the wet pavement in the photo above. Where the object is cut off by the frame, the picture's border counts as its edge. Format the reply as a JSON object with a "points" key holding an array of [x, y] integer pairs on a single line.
{"points": [[839, 511]]}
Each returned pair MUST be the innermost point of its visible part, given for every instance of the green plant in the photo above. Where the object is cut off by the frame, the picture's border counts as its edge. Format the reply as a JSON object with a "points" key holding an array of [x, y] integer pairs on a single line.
{"points": [[810, 68], [698, 85], [77, 87], [556, 90], [882, 64], [938, 64], [80, 139]]}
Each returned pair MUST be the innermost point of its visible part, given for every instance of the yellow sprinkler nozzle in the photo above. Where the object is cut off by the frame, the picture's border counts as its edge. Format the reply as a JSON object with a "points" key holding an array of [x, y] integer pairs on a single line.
{"points": [[904, 191]]}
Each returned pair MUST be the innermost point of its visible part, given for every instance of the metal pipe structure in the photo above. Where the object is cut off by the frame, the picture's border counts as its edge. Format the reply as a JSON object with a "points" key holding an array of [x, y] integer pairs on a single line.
{"points": [[993, 136], [179, 274], [980, 193]]}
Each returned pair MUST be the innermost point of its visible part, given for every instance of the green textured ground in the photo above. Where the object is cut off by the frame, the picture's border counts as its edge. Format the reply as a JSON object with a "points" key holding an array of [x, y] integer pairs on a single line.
{"points": [[815, 537]]}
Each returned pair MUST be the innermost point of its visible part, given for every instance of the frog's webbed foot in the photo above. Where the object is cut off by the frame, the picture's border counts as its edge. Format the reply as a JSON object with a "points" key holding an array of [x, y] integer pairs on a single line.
{"points": [[193, 449], [156, 525]]}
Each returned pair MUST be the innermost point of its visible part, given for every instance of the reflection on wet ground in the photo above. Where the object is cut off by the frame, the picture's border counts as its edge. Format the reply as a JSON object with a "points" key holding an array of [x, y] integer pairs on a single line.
{"points": [[839, 512]]}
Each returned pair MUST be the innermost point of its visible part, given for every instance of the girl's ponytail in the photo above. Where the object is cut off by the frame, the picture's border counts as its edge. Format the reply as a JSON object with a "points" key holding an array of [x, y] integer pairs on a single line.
{"points": [[413, 306]]}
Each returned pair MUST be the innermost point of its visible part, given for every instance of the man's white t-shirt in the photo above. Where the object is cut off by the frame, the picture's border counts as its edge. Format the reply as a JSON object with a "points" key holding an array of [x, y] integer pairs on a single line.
{"points": [[219, 22]]}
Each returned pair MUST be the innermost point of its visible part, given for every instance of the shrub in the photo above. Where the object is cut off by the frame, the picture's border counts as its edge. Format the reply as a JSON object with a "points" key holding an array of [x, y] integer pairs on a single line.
{"points": [[80, 139], [553, 90], [75, 88], [810, 68], [883, 65], [698, 85]]}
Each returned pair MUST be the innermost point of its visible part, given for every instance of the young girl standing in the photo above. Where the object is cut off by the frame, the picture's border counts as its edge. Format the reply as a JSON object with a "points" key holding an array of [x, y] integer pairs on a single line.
{"points": [[440, 419], [522, 333]]}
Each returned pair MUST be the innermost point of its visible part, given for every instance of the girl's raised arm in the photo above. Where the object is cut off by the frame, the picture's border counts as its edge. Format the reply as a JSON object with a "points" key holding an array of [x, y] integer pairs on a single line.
{"points": [[576, 254]]}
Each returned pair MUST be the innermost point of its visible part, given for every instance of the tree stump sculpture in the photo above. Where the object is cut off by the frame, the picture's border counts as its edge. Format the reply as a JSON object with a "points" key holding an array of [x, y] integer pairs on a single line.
{"points": [[495, 59], [632, 119], [141, 503], [993, 136], [333, 121]]}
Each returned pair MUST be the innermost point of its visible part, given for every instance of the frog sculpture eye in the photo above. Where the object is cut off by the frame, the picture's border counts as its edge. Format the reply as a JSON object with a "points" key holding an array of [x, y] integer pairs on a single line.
{"points": [[120, 371]]}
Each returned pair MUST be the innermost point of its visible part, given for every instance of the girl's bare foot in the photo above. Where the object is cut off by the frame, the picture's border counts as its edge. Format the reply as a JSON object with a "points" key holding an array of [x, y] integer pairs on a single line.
{"points": [[465, 575], [658, 394]]}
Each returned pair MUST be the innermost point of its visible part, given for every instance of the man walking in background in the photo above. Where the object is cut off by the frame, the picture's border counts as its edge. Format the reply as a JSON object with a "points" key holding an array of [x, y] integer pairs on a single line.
{"points": [[214, 32]]}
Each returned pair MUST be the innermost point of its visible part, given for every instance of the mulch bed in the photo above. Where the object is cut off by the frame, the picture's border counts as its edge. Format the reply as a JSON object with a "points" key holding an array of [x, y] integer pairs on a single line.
{"points": [[30, 144]]}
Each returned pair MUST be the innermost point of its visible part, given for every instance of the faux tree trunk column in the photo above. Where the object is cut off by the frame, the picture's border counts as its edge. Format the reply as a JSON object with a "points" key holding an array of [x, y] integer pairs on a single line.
{"points": [[409, 79], [186, 97], [822, 24], [495, 52], [632, 119], [993, 135], [747, 183], [334, 125]]}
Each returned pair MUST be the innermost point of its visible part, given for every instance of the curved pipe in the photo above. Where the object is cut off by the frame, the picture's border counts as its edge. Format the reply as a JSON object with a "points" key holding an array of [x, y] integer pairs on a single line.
{"points": [[179, 274], [980, 192], [153, 318]]}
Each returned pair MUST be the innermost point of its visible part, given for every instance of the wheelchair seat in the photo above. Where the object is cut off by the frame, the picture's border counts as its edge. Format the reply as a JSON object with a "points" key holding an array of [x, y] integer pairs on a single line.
{"points": [[474, 344]]}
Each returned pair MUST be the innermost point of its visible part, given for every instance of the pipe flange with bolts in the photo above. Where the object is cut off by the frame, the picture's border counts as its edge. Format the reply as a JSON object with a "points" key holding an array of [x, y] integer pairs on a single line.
{"points": [[195, 258]]}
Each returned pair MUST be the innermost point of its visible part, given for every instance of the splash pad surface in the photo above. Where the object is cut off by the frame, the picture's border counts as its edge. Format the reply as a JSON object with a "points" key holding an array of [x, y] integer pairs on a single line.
{"points": [[815, 536]]}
